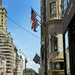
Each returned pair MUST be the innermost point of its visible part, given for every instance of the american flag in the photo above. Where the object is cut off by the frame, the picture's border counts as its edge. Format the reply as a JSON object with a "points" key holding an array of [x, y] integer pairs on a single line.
{"points": [[34, 23], [33, 15], [34, 20], [35, 27]]}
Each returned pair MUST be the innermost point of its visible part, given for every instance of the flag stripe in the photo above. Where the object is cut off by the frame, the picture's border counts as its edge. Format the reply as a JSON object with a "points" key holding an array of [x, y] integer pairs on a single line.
{"points": [[34, 23], [35, 27]]}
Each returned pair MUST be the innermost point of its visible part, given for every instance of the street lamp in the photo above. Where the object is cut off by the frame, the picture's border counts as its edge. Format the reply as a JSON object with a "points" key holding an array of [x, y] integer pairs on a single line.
{"points": [[25, 60]]}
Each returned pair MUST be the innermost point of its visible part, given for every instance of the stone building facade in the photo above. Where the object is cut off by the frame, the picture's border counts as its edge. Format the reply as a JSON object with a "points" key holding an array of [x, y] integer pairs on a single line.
{"points": [[54, 38], [19, 65], [2, 64]]}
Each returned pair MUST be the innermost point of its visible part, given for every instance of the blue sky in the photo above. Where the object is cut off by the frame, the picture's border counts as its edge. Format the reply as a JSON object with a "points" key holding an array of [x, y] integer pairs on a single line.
{"points": [[20, 12]]}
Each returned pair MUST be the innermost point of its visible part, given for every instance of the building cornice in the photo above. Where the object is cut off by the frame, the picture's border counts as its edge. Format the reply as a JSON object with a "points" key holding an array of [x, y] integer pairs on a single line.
{"points": [[3, 9], [53, 21]]}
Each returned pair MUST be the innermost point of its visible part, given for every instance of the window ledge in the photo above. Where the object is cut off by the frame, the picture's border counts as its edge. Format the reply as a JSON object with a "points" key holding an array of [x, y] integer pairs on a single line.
{"points": [[52, 15]]}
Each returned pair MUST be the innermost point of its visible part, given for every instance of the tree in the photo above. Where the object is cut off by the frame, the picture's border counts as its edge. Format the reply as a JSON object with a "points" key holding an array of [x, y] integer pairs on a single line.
{"points": [[30, 72]]}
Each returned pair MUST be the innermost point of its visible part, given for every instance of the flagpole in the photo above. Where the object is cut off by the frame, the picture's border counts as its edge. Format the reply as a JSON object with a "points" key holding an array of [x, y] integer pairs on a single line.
{"points": [[40, 17], [37, 14]]}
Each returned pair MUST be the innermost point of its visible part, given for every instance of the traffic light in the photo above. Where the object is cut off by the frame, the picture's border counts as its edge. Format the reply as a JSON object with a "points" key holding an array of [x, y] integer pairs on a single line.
{"points": [[14, 70]]}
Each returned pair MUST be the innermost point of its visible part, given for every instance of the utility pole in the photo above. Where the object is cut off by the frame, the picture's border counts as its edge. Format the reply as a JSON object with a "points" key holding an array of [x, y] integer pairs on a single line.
{"points": [[25, 60], [45, 37], [25, 65]]}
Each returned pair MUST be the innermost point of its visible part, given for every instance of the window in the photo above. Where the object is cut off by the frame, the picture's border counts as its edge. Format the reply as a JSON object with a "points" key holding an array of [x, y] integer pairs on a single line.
{"points": [[53, 8], [2, 10], [54, 43], [2, 19], [68, 1], [67, 53], [2, 16]]}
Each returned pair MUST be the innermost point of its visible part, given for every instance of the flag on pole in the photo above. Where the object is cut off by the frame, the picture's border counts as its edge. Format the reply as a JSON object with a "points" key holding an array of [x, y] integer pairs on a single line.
{"points": [[35, 27], [33, 15], [34, 23], [36, 59], [34, 20]]}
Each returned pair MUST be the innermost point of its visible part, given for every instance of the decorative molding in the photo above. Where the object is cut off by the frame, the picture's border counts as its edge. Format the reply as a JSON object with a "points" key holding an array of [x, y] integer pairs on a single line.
{"points": [[3, 9], [53, 30], [52, 1], [53, 21]]}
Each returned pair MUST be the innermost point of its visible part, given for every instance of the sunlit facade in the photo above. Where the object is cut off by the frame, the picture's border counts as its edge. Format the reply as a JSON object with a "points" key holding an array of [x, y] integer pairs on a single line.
{"points": [[2, 64], [54, 38], [19, 65], [7, 47]]}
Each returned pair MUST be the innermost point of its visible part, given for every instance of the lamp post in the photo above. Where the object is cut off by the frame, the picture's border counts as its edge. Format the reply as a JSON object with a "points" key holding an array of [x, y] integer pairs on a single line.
{"points": [[25, 60]]}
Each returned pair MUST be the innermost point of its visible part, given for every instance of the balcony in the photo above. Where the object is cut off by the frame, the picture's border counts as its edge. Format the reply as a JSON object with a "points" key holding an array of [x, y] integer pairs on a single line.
{"points": [[8, 66], [9, 57], [7, 53], [3, 44], [5, 47]]}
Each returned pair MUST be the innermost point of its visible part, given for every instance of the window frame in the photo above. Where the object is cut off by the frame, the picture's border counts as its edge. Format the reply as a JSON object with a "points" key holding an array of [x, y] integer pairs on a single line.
{"points": [[53, 9], [54, 42]]}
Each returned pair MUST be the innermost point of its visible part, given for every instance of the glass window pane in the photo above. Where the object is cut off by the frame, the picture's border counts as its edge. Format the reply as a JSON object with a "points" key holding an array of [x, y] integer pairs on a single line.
{"points": [[67, 54], [53, 8]]}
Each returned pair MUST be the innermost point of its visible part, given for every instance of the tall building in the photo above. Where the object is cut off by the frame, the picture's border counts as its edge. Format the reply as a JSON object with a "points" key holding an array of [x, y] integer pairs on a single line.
{"points": [[19, 65], [3, 19], [7, 47], [52, 59], [6, 42], [15, 59], [2, 64]]}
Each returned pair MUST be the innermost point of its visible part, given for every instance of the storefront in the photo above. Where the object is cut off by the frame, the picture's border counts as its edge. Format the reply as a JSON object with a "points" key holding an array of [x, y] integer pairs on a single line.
{"points": [[69, 38], [57, 66]]}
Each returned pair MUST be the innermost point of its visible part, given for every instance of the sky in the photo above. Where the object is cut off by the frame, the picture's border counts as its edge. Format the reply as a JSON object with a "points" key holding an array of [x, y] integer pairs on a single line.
{"points": [[20, 12]]}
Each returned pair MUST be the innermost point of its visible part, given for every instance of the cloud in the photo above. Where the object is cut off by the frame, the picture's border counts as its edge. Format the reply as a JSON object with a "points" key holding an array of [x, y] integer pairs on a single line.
{"points": [[33, 65], [24, 58]]}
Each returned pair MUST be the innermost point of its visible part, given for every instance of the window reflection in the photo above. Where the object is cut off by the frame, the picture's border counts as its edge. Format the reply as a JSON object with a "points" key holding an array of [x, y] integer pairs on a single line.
{"points": [[64, 6], [67, 54]]}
